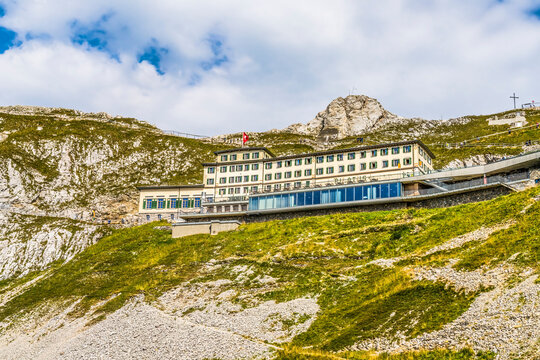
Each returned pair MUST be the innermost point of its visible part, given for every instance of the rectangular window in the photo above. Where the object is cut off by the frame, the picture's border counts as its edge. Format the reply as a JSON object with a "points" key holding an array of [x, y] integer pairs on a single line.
{"points": [[246, 167], [230, 191], [373, 153], [330, 170], [209, 181], [254, 188], [222, 191], [255, 155], [407, 161], [173, 203], [363, 154], [373, 165], [339, 157], [245, 156], [246, 178], [319, 171], [395, 150], [268, 187], [197, 202], [351, 156], [223, 169], [363, 166], [384, 151], [238, 179], [298, 162], [351, 167], [307, 161], [279, 164], [407, 148], [246, 190], [307, 172], [395, 162], [288, 163], [320, 159], [297, 184], [287, 186], [231, 168], [288, 174], [231, 179], [148, 203], [298, 173], [224, 157], [233, 157], [211, 170], [239, 167], [222, 180], [341, 168], [185, 202], [268, 177], [385, 164], [277, 176], [277, 186], [255, 167], [329, 158], [254, 177]]}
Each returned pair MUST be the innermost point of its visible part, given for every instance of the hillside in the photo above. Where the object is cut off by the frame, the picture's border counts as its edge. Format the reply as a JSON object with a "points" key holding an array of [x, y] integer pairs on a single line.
{"points": [[452, 283]]}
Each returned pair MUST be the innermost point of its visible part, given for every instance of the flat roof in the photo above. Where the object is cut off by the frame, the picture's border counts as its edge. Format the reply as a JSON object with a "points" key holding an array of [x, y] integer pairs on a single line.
{"points": [[150, 187], [244, 149]]}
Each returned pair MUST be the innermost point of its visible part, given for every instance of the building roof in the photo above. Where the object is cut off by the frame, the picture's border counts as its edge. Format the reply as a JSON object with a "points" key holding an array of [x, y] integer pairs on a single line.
{"points": [[151, 187], [244, 149]]}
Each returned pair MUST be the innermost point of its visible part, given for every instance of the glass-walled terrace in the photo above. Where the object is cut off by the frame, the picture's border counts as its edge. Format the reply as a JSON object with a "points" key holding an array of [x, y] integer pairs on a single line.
{"points": [[325, 196]]}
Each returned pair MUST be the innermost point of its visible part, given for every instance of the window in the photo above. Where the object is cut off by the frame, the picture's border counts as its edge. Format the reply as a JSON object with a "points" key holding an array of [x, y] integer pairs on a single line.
{"points": [[148, 203], [307, 183], [239, 167], [279, 164], [307, 172], [330, 170], [230, 191], [255, 155], [223, 169], [237, 190], [395, 150], [268, 166], [268, 177], [385, 164], [373, 165], [172, 216], [268, 187], [161, 203], [320, 159], [147, 217], [255, 167], [351, 167], [238, 179], [233, 157], [298, 173], [297, 184], [277, 176], [222, 180], [222, 191], [308, 161], [341, 168], [407, 148], [395, 162], [288, 174], [246, 178], [224, 157], [254, 188], [211, 170], [319, 171], [159, 217], [231, 168], [351, 156], [277, 186], [185, 202], [173, 203], [197, 202], [288, 163], [363, 154], [407, 161], [298, 162], [363, 166], [231, 179], [287, 186], [373, 153], [329, 158], [384, 151], [209, 181], [246, 189], [339, 157], [245, 156], [254, 177], [246, 167]]}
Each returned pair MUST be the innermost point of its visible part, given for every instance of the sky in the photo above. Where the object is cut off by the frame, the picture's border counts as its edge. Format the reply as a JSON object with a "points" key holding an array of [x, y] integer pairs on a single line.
{"points": [[212, 67]]}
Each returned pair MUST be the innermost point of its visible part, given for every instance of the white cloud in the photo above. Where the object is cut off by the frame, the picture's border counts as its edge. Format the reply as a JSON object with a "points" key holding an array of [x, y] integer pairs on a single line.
{"points": [[287, 60]]}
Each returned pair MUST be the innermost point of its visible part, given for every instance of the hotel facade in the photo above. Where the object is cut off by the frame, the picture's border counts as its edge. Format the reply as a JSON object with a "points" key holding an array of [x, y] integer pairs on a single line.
{"points": [[244, 179]]}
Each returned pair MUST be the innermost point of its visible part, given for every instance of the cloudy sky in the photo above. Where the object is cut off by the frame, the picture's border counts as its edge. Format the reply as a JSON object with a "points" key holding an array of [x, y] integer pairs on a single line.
{"points": [[210, 67]]}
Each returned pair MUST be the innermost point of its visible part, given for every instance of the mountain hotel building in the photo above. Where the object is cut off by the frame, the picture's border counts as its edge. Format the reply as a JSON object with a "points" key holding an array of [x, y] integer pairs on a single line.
{"points": [[253, 178]]}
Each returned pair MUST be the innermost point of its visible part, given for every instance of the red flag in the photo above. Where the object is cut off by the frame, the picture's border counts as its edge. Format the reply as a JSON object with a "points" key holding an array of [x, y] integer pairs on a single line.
{"points": [[245, 138]]}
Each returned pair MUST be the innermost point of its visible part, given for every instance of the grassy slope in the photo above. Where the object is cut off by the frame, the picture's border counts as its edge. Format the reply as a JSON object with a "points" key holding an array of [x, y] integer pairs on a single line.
{"points": [[326, 257]]}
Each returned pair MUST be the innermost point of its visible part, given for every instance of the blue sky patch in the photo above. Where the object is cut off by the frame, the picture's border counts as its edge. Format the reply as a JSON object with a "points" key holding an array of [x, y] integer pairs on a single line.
{"points": [[536, 13], [154, 55], [94, 36], [2, 11], [219, 58], [8, 39]]}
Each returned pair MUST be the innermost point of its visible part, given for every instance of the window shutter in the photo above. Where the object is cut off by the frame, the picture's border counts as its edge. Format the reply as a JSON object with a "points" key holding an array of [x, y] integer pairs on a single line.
{"points": [[154, 204], [144, 204], [168, 204]]}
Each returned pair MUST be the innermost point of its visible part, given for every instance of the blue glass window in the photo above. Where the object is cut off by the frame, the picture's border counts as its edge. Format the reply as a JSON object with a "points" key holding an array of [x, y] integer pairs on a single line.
{"points": [[148, 203], [350, 194], [173, 203], [384, 191], [340, 195], [161, 203], [325, 197], [197, 202], [185, 202], [309, 198], [333, 193], [316, 197], [301, 197]]}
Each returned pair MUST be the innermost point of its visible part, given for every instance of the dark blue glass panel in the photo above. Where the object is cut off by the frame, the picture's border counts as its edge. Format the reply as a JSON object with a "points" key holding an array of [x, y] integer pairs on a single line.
{"points": [[333, 193], [316, 197], [301, 197], [350, 194], [325, 197], [384, 191], [309, 198], [394, 190], [366, 192], [340, 195]]}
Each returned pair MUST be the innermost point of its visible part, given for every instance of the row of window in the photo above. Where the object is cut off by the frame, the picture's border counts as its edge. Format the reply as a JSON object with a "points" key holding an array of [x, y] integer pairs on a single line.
{"points": [[425, 155], [233, 168], [245, 156], [254, 189], [234, 179], [172, 203], [326, 196]]}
